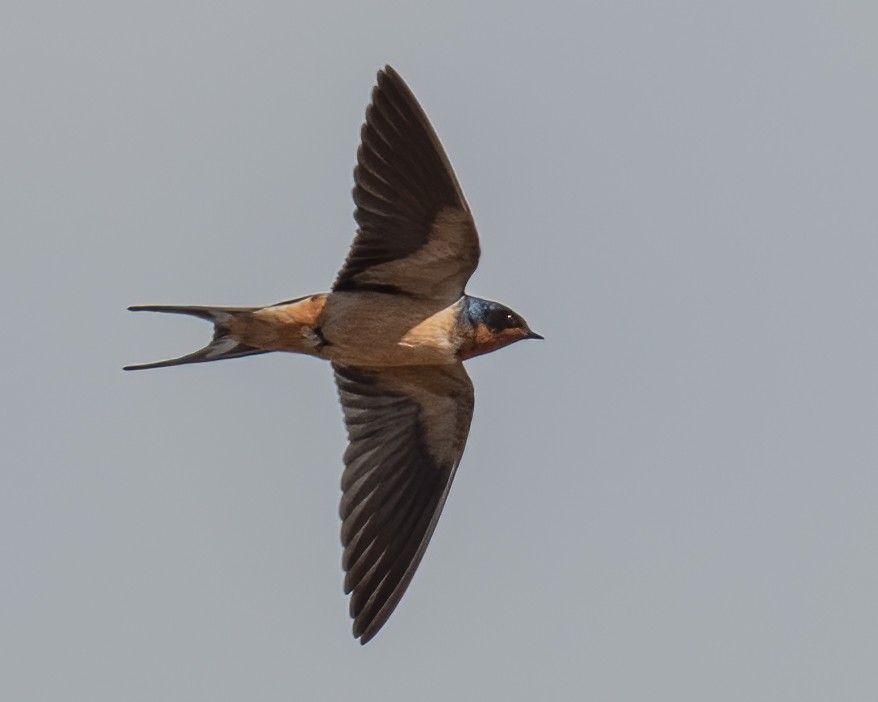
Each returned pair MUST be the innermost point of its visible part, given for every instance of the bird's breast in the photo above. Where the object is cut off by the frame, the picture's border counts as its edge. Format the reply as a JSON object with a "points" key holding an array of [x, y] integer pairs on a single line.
{"points": [[378, 329]]}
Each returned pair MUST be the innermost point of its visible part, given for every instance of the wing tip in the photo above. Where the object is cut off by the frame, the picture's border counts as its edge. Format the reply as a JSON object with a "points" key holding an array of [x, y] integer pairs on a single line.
{"points": [[390, 72], [364, 634], [390, 76]]}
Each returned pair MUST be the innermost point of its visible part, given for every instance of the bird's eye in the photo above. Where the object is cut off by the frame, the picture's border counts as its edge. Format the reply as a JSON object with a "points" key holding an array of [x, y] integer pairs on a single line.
{"points": [[499, 320]]}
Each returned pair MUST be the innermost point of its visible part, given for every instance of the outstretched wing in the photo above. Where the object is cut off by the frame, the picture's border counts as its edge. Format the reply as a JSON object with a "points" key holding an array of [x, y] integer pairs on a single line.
{"points": [[407, 429], [416, 234]]}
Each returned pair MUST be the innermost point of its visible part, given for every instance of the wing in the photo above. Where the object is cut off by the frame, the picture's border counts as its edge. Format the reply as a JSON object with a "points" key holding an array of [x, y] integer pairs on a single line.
{"points": [[407, 429], [416, 234]]}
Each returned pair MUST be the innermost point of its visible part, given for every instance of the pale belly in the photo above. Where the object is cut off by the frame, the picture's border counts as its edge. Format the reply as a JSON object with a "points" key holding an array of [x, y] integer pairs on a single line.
{"points": [[373, 329], [358, 329]]}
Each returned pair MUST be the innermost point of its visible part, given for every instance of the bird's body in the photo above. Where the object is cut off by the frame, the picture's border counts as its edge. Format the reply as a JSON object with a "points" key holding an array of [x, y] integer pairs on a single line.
{"points": [[364, 329], [396, 327]]}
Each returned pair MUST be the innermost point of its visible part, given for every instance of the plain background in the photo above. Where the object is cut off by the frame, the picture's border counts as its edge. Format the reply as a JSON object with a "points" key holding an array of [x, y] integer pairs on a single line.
{"points": [[671, 498]]}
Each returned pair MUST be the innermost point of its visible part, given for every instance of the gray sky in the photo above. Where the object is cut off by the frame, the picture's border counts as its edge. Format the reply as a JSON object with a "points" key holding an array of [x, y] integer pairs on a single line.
{"points": [[671, 498]]}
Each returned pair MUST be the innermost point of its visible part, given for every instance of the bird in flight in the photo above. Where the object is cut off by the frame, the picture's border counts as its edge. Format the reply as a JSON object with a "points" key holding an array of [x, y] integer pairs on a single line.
{"points": [[396, 328]]}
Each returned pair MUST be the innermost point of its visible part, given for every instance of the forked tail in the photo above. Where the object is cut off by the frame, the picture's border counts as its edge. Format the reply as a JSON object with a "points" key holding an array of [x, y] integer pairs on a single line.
{"points": [[223, 345]]}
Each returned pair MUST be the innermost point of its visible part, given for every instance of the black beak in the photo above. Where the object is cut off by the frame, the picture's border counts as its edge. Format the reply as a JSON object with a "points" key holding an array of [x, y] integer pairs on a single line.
{"points": [[533, 335]]}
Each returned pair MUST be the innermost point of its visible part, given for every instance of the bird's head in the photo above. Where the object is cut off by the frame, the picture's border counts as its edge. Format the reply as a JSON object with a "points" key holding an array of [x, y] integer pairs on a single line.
{"points": [[489, 326]]}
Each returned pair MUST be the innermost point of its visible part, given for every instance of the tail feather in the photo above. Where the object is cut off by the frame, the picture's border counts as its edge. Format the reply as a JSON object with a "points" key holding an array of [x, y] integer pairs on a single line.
{"points": [[223, 345]]}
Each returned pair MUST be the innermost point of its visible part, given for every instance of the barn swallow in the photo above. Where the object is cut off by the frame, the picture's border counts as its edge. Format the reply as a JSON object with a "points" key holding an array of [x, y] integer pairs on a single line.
{"points": [[396, 328]]}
